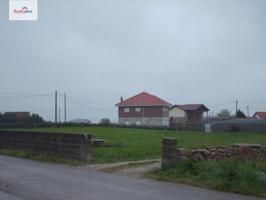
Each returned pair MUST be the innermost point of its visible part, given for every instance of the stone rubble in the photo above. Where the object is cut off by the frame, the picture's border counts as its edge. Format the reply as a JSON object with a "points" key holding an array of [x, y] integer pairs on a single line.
{"points": [[242, 151], [172, 155]]}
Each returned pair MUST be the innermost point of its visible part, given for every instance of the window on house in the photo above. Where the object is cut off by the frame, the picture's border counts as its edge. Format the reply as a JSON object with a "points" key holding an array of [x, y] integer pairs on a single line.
{"points": [[137, 109], [126, 109], [165, 109]]}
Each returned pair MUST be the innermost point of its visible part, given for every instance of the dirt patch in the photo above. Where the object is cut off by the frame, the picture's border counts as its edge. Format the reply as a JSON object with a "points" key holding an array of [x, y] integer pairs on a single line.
{"points": [[131, 168]]}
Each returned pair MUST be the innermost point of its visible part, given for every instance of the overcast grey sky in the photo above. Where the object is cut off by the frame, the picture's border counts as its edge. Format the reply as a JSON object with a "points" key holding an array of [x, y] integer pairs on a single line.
{"points": [[190, 51]]}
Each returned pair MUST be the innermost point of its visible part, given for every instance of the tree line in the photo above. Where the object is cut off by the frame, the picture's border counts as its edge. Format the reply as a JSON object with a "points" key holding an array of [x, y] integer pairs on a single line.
{"points": [[226, 113], [13, 118]]}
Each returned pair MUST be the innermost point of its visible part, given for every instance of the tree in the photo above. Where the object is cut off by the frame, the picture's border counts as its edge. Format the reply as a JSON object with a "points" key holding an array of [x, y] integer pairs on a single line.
{"points": [[224, 113], [13, 118], [34, 118], [105, 122], [9, 118], [240, 114]]}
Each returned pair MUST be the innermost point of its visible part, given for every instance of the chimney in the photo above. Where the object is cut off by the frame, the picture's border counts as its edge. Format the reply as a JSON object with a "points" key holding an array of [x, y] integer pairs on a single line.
{"points": [[121, 99]]}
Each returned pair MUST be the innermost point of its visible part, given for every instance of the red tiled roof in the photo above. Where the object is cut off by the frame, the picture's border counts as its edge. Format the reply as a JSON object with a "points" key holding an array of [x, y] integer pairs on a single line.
{"points": [[262, 115], [144, 99], [191, 107]]}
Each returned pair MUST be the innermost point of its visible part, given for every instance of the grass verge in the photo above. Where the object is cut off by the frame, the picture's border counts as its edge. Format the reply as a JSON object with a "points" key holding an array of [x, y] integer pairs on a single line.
{"points": [[238, 176], [41, 157], [142, 144]]}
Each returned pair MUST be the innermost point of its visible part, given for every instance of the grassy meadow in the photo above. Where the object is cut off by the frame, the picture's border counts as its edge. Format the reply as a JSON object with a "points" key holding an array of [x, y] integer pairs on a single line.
{"points": [[238, 176], [139, 144]]}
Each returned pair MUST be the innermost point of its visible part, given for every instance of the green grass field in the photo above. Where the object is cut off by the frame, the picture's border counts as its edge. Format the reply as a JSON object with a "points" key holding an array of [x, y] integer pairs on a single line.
{"points": [[238, 176], [140, 144]]}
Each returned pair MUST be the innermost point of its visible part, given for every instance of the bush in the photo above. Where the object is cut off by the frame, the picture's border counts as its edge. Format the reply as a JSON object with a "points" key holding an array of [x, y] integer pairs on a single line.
{"points": [[224, 113], [240, 114], [105, 122], [262, 177]]}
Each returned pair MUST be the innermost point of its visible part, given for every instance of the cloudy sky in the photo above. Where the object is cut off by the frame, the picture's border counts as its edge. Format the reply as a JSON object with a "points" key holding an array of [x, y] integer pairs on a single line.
{"points": [[189, 51]]}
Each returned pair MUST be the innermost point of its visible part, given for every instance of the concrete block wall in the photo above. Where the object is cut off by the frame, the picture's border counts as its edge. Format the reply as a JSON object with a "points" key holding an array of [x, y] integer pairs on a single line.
{"points": [[76, 146]]}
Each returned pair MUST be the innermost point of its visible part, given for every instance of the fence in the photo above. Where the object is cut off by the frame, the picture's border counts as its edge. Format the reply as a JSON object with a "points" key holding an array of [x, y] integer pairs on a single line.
{"points": [[239, 125]]}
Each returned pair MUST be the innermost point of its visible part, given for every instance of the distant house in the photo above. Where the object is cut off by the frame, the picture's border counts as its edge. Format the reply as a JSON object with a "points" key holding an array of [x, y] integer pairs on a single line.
{"points": [[20, 115], [181, 115], [143, 109], [80, 121], [260, 115]]}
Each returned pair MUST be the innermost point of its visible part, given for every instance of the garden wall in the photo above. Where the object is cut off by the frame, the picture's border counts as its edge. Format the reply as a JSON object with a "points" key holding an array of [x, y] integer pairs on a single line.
{"points": [[172, 155], [76, 146]]}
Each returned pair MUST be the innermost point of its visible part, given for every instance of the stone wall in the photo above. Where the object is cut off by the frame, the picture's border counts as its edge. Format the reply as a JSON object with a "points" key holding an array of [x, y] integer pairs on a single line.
{"points": [[172, 155], [76, 146]]}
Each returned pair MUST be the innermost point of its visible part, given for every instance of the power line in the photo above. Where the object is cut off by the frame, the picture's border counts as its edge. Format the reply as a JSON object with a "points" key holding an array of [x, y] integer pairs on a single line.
{"points": [[86, 102], [15, 93], [254, 102], [88, 106], [223, 104], [26, 96]]}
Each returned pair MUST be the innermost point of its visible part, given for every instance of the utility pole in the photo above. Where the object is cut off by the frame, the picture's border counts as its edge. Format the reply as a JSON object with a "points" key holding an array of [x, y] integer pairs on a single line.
{"points": [[248, 111], [236, 106], [59, 116], [65, 106], [55, 107]]}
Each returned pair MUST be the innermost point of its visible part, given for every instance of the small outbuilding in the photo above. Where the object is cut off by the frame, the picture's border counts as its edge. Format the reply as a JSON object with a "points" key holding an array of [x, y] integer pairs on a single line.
{"points": [[184, 116]]}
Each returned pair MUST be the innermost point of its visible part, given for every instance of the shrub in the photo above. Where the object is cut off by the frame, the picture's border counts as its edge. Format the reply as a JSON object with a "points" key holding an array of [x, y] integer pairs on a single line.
{"points": [[262, 177], [240, 114], [105, 122], [224, 113], [240, 176]]}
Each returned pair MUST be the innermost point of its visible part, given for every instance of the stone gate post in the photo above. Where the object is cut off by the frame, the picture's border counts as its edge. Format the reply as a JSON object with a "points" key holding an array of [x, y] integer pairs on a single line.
{"points": [[169, 151]]}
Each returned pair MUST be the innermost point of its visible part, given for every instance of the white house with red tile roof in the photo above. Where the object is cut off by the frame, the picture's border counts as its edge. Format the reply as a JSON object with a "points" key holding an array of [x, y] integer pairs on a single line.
{"points": [[143, 109], [260, 115]]}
